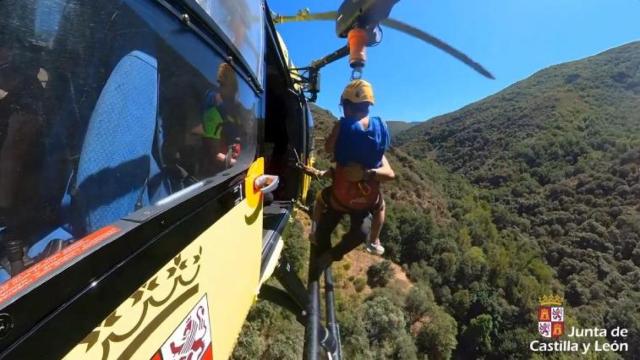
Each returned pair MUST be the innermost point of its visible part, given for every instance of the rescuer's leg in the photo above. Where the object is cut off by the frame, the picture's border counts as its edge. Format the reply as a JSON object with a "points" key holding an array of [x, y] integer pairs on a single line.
{"points": [[378, 216], [357, 234], [319, 207], [321, 256]]}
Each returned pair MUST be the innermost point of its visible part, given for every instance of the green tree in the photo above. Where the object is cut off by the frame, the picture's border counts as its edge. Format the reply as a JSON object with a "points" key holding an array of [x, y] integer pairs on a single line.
{"points": [[404, 348], [417, 302], [460, 303], [250, 344], [625, 313], [382, 318], [437, 339], [473, 266], [476, 338]]}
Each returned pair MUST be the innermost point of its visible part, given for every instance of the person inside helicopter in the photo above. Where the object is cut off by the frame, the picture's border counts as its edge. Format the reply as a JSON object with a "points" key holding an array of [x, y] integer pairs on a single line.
{"points": [[220, 129]]}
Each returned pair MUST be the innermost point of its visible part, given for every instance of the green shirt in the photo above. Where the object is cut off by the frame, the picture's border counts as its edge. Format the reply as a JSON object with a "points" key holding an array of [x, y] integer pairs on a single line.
{"points": [[212, 124]]}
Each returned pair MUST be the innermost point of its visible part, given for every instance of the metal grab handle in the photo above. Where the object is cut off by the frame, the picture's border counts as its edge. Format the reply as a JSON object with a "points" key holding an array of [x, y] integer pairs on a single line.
{"points": [[262, 183]]}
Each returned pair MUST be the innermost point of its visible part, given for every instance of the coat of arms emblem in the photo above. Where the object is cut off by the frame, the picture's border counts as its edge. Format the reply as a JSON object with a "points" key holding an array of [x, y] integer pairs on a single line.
{"points": [[551, 316], [192, 339]]}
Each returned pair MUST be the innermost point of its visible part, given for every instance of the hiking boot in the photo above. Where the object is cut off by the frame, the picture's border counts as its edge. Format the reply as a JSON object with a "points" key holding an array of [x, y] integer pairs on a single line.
{"points": [[375, 248]]}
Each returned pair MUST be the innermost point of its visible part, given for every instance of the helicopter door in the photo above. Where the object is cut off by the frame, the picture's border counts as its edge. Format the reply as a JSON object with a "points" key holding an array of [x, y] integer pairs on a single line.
{"points": [[297, 141], [284, 137], [286, 126]]}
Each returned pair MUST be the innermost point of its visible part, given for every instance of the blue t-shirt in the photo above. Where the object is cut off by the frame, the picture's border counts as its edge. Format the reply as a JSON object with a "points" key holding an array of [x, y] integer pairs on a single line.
{"points": [[360, 146]]}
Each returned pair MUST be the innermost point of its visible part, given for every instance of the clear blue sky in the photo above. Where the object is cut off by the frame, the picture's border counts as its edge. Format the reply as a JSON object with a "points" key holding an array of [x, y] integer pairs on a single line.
{"points": [[512, 38]]}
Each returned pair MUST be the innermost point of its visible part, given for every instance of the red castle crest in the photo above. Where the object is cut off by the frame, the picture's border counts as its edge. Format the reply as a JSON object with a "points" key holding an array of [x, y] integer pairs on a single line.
{"points": [[192, 342], [551, 317], [192, 339]]}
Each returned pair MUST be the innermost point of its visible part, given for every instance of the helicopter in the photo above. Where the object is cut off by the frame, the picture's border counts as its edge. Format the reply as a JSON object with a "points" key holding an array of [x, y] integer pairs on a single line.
{"points": [[150, 158]]}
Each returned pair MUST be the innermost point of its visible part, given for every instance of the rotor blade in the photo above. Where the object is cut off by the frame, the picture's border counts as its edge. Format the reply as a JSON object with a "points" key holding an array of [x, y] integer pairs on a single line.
{"points": [[408, 29], [305, 15]]}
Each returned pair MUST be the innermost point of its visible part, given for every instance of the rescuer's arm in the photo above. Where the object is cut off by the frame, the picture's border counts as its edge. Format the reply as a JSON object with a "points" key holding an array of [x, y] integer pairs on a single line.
{"points": [[384, 172], [311, 171]]}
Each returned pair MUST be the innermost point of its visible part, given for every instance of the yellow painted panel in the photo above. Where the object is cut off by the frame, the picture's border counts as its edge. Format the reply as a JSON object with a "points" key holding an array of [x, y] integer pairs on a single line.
{"points": [[223, 262], [306, 180]]}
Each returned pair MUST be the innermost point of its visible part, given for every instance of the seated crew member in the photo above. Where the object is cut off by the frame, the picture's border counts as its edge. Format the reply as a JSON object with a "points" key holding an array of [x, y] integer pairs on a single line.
{"points": [[358, 143], [221, 130]]}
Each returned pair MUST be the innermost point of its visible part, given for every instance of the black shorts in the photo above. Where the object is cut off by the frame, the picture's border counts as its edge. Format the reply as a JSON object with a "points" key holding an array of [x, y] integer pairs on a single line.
{"points": [[359, 229]]}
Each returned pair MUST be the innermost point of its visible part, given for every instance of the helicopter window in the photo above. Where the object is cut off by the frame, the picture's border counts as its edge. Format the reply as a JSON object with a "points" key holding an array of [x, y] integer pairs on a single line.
{"points": [[106, 108], [242, 22]]}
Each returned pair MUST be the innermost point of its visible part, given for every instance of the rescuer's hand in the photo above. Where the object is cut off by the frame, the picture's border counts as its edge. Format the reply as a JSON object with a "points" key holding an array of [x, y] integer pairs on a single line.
{"points": [[311, 171]]}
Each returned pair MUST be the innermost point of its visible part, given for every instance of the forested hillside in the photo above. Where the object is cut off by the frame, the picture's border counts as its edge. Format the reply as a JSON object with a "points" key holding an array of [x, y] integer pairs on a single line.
{"points": [[532, 191], [558, 157], [396, 127]]}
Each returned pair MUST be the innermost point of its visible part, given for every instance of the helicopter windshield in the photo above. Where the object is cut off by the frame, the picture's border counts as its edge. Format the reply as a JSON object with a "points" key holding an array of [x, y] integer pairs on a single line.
{"points": [[241, 21], [106, 109]]}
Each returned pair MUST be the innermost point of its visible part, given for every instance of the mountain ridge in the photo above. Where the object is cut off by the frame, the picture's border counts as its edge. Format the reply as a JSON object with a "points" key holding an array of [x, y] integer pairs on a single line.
{"points": [[535, 74], [558, 156]]}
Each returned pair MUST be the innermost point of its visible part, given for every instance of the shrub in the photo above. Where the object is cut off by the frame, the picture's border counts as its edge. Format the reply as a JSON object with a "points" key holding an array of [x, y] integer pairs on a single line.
{"points": [[378, 275], [359, 284]]}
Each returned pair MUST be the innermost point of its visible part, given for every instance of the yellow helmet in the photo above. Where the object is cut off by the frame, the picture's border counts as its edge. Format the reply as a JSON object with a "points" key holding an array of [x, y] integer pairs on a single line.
{"points": [[358, 91]]}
